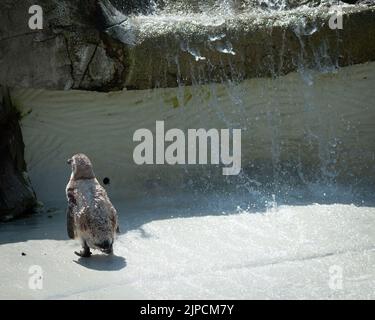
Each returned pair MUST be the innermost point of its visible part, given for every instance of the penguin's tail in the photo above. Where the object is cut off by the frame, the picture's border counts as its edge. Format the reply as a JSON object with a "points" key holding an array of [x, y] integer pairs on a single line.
{"points": [[106, 246]]}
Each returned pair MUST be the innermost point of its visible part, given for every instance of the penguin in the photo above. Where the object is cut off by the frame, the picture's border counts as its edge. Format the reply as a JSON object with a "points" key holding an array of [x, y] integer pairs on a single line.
{"points": [[91, 217]]}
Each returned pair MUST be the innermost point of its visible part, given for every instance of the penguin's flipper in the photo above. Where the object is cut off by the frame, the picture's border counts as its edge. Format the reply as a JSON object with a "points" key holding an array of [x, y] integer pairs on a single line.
{"points": [[69, 212], [70, 222], [114, 218]]}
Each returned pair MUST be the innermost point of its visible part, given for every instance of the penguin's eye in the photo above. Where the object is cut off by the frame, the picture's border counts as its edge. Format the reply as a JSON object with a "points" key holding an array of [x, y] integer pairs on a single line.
{"points": [[106, 180]]}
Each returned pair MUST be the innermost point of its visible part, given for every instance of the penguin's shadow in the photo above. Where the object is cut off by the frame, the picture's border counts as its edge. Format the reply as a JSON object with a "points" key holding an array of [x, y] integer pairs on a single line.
{"points": [[102, 262]]}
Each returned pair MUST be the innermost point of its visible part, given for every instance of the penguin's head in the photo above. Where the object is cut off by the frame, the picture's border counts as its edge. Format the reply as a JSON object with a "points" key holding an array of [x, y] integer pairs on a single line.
{"points": [[81, 167]]}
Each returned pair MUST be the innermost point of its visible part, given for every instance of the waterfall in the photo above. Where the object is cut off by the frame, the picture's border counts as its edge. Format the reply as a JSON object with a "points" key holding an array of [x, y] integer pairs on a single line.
{"points": [[271, 69]]}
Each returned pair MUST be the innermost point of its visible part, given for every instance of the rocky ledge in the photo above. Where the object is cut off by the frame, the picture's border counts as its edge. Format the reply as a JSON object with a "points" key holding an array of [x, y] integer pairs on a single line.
{"points": [[91, 45]]}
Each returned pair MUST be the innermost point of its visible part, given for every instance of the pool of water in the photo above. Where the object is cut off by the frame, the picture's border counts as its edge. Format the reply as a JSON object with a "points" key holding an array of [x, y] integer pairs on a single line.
{"points": [[198, 249]]}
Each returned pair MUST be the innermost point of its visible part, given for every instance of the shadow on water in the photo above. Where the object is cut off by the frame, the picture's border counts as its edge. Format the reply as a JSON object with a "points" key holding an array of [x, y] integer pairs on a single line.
{"points": [[101, 262]]}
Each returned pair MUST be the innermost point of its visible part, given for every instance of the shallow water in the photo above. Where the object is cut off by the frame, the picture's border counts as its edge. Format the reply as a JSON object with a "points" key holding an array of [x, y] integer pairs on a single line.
{"points": [[171, 250]]}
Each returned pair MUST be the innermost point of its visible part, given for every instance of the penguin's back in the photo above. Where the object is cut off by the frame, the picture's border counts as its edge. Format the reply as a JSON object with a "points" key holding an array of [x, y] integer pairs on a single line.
{"points": [[96, 218]]}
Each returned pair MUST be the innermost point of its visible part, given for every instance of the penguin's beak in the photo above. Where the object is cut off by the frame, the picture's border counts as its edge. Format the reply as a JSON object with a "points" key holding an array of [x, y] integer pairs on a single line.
{"points": [[69, 161]]}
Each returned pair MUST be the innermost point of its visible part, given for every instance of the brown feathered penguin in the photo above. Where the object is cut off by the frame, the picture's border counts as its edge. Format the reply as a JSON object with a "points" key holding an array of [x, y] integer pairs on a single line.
{"points": [[91, 217]]}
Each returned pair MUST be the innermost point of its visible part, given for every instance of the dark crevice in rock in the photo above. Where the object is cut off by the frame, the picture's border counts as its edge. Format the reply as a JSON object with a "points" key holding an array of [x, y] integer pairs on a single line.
{"points": [[88, 64], [69, 85], [17, 197], [17, 36]]}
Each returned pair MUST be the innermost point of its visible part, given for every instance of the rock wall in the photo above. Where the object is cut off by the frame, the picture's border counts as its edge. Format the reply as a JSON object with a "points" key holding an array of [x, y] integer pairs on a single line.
{"points": [[170, 52], [68, 53], [81, 46], [16, 194]]}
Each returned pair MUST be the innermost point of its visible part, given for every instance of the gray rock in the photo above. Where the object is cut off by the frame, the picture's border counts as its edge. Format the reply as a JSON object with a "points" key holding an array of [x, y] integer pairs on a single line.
{"points": [[60, 55], [93, 45], [249, 46], [16, 194]]}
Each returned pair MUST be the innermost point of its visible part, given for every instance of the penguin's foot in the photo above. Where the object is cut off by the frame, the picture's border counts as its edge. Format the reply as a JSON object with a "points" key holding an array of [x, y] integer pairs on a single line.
{"points": [[108, 251], [83, 253]]}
